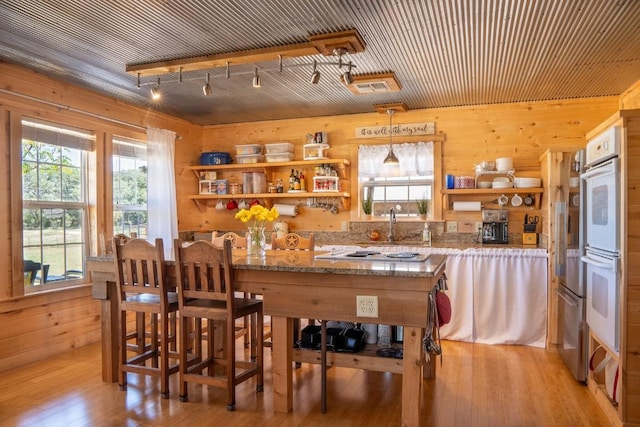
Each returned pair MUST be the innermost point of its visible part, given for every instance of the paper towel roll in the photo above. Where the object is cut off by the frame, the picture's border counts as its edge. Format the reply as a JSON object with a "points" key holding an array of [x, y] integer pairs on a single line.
{"points": [[467, 206], [286, 210]]}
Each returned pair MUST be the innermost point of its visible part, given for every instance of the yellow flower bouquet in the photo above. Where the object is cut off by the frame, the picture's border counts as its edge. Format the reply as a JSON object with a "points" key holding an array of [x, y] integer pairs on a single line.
{"points": [[256, 217]]}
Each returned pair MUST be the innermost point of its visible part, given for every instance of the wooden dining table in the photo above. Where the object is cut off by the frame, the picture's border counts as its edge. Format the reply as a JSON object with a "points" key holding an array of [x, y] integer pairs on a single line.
{"points": [[296, 284]]}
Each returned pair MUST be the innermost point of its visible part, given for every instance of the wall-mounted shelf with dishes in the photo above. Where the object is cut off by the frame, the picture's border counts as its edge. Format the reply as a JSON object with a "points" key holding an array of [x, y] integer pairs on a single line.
{"points": [[489, 196], [341, 166]]}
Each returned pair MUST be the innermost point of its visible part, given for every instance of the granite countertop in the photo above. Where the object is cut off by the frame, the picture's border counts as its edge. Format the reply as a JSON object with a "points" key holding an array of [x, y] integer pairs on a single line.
{"points": [[305, 262]]}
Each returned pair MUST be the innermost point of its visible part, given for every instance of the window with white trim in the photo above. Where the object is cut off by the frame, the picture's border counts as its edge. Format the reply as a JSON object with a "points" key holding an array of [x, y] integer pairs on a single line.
{"points": [[55, 208], [398, 186], [129, 187]]}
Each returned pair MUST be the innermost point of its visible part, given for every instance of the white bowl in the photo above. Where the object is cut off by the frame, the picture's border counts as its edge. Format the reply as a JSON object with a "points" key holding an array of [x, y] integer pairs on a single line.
{"points": [[484, 184], [501, 179], [504, 164]]}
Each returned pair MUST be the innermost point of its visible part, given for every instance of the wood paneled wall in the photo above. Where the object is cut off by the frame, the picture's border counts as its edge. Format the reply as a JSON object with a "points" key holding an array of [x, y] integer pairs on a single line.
{"points": [[34, 327], [472, 134]]}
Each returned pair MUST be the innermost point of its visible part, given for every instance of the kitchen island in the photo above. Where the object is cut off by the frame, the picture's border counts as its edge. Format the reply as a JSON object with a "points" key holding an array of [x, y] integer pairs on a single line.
{"points": [[296, 285]]}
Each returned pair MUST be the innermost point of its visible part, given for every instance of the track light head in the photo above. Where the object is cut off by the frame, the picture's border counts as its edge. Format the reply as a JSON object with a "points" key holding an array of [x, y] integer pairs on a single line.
{"points": [[256, 79], [315, 76], [206, 89], [346, 76], [155, 91]]}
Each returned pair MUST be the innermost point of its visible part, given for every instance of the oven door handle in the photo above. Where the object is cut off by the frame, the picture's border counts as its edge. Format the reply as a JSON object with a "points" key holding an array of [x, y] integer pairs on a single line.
{"points": [[563, 294], [610, 265], [604, 169]]}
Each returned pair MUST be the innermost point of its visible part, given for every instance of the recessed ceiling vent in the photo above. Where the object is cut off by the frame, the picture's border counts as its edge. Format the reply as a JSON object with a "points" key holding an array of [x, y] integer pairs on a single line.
{"points": [[372, 87], [374, 83]]}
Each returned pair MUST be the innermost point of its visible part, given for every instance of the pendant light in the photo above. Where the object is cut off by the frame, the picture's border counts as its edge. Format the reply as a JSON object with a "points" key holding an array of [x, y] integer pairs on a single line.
{"points": [[391, 158]]}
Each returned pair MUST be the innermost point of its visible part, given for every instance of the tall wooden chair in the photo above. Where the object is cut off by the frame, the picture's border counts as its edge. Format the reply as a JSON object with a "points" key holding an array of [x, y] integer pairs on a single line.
{"points": [[243, 330], [142, 288], [292, 242], [206, 291]]}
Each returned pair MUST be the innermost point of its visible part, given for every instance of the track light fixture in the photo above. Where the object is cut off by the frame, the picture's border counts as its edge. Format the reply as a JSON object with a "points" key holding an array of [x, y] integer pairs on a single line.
{"points": [[315, 76], [206, 89], [347, 77], [256, 79], [391, 158], [155, 91]]}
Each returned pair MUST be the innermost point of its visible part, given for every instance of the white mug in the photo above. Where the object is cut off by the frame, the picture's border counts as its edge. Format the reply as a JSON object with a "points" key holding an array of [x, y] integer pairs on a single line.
{"points": [[220, 206], [516, 201], [503, 200], [242, 204]]}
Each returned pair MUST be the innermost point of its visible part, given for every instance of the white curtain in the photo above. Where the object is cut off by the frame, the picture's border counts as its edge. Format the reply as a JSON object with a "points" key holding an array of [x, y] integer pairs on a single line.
{"points": [[414, 158], [161, 188]]}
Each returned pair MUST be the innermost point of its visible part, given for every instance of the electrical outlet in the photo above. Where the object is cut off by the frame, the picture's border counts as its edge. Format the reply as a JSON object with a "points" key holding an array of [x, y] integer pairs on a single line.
{"points": [[478, 226], [452, 226], [344, 226], [366, 306]]}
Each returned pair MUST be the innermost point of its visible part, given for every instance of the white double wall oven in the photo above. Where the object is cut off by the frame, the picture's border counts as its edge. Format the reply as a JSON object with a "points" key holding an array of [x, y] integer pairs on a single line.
{"points": [[602, 250]]}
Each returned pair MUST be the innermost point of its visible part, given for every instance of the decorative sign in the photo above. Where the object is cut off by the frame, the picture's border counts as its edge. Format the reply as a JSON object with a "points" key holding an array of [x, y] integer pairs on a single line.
{"points": [[408, 129]]}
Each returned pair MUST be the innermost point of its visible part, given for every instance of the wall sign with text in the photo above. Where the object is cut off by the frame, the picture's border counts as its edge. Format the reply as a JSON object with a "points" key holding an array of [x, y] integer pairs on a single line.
{"points": [[408, 129]]}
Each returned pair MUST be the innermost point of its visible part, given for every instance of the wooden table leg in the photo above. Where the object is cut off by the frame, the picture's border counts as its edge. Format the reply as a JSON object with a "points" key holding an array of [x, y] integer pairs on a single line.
{"points": [[281, 363], [109, 330], [412, 377]]}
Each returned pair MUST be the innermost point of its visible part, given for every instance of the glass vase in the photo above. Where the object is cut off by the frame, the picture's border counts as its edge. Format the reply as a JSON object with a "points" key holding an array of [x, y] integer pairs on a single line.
{"points": [[256, 242]]}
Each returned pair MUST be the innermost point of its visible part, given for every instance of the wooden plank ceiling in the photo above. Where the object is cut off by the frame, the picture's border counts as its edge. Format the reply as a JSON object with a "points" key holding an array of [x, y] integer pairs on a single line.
{"points": [[443, 52]]}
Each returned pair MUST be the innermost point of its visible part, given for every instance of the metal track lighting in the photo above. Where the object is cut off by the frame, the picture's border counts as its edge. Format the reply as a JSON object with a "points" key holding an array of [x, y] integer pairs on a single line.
{"points": [[391, 158], [206, 89], [315, 76], [155, 91], [256, 79]]}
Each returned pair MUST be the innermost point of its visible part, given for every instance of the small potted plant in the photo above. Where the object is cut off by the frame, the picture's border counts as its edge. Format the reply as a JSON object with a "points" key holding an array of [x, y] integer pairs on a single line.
{"points": [[423, 208], [367, 203]]}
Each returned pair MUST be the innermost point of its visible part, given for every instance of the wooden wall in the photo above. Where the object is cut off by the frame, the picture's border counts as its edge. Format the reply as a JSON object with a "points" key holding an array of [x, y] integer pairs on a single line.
{"points": [[36, 326], [521, 130]]}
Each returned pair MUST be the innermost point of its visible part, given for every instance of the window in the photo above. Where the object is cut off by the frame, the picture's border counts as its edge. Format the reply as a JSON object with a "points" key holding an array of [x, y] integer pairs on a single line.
{"points": [[54, 203], [399, 186], [129, 187]]}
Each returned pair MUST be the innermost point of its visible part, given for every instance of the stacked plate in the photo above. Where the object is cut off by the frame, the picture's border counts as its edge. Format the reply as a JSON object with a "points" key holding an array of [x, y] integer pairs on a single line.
{"points": [[527, 182], [501, 182]]}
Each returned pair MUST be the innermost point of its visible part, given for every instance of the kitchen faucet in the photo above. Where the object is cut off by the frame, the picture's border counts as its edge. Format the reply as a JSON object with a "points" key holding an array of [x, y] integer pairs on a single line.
{"points": [[392, 220]]}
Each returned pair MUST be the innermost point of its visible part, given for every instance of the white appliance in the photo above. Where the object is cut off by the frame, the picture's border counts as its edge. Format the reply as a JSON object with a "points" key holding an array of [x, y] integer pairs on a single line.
{"points": [[570, 240], [602, 229]]}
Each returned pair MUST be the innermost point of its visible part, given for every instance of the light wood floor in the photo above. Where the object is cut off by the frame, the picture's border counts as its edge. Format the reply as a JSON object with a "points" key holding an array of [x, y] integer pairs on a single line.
{"points": [[477, 385]]}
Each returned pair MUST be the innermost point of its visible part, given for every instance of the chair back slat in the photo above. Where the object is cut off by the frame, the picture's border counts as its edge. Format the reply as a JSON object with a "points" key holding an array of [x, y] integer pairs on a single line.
{"points": [[204, 271]]}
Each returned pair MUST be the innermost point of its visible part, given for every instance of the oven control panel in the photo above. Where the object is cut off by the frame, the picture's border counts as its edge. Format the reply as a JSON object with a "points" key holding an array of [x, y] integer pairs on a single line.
{"points": [[603, 147]]}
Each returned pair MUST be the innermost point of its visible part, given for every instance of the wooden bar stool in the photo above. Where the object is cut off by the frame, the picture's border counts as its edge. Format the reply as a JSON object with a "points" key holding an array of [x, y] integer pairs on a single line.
{"points": [[206, 291], [142, 288]]}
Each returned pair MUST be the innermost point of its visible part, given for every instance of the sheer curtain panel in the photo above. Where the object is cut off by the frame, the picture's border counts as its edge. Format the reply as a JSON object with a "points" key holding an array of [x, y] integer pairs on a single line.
{"points": [[161, 192]]}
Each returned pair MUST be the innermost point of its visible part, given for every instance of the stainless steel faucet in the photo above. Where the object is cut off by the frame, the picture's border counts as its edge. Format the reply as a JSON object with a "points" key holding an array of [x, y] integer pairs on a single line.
{"points": [[392, 220]]}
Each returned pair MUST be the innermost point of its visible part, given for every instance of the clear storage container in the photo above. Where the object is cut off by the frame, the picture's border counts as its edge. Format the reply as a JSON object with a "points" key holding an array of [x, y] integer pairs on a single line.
{"points": [[280, 147], [248, 149], [279, 157], [249, 158]]}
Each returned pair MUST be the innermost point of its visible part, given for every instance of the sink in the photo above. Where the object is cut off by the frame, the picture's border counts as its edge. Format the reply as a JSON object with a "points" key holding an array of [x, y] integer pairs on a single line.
{"points": [[374, 256]]}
